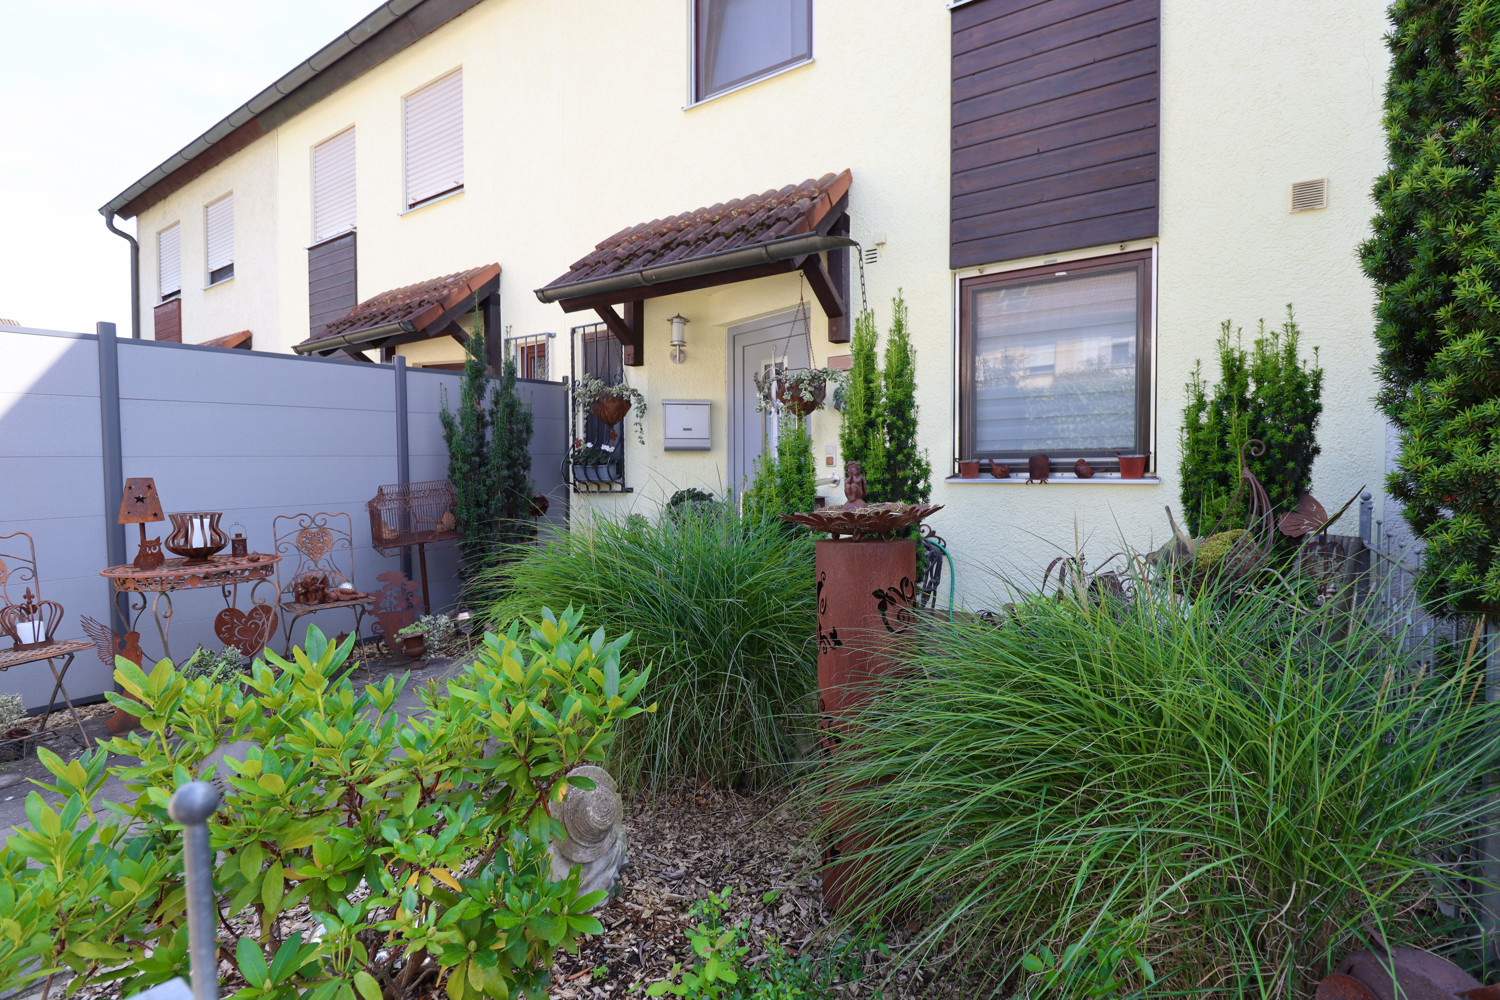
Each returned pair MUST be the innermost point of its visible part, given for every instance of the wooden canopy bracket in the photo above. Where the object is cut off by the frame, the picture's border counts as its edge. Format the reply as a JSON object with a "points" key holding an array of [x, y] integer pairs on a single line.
{"points": [[823, 287], [628, 330]]}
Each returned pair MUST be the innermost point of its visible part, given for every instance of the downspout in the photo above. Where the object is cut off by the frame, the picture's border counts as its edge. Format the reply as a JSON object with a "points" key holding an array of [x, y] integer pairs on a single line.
{"points": [[135, 274]]}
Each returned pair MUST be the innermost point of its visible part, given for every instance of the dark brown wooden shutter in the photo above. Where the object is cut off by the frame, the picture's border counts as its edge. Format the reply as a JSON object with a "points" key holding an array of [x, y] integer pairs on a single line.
{"points": [[1055, 126], [331, 280], [167, 321]]}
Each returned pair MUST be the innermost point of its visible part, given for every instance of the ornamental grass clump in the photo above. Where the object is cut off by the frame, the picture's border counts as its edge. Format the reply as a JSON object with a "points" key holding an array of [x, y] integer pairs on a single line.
{"points": [[720, 607], [1249, 781]]}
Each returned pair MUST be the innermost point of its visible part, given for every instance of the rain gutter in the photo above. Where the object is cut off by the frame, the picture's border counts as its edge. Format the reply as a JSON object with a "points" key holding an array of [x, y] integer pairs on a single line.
{"points": [[353, 339], [135, 275]]}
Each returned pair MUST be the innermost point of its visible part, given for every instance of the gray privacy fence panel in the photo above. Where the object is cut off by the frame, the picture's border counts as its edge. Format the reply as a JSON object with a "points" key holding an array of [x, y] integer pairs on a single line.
{"points": [[252, 435], [52, 486]]}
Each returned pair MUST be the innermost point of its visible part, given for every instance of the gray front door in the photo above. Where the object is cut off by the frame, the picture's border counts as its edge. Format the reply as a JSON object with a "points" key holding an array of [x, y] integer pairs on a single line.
{"points": [[755, 347]]}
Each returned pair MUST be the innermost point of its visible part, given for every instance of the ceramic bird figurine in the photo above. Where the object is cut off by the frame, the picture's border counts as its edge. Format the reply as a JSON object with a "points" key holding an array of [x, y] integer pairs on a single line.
{"points": [[1082, 469]]}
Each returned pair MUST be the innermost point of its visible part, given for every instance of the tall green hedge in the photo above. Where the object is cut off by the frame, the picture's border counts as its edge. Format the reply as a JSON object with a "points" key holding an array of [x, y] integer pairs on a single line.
{"points": [[879, 430], [1435, 260]]}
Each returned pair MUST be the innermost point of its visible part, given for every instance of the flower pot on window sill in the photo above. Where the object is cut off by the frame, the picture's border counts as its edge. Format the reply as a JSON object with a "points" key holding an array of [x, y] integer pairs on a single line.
{"points": [[607, 472], [1133, 466], [968, 468]]}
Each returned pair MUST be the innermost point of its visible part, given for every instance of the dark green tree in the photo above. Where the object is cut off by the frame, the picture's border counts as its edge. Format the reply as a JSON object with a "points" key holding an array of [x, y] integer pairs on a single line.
{"points": [[1435, 260], [862, 433], [1267, 393], [907, 477], [785, 480], [488, 437]]}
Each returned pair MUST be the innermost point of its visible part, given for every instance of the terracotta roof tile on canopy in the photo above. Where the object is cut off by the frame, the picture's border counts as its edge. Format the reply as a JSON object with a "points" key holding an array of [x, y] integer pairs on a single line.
{"points": [[411, 312], [751, 221]]}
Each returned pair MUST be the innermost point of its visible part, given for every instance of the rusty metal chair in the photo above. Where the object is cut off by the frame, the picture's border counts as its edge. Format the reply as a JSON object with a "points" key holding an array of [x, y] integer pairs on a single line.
{"points": [[18, 574], [317, 553]]}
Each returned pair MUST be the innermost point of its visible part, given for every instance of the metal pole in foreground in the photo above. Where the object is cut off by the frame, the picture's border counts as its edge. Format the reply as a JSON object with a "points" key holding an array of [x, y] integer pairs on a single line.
{"points": [[192, 805]]}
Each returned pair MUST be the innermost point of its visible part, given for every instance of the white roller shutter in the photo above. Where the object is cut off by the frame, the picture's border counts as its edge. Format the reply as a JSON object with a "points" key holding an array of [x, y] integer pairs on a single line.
{"points": [[333, 186], [434, 124], [219, 226], [169, 261]]}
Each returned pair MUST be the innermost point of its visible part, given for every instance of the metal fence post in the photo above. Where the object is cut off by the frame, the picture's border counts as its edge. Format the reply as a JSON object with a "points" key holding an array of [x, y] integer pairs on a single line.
{"points": [[112, 452], [403, 445], [192, 805]]}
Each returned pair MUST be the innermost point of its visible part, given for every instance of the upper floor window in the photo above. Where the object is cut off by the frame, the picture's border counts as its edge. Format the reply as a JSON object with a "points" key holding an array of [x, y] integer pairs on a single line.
{"points": [[169, 262], [1055, 360], [531, 355], [738, 41], [333, 186], [433, 120], [218, 227]]}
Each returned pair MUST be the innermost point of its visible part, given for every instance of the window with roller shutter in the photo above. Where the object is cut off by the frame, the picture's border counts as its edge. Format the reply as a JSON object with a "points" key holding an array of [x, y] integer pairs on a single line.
{"points": [[169, 262], [333, 186], [433, 124], [218, 226]]}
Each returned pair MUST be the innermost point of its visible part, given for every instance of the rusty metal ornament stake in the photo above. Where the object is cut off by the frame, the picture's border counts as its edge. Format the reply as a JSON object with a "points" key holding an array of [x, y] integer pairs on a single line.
{"points": [[1037, 468]]}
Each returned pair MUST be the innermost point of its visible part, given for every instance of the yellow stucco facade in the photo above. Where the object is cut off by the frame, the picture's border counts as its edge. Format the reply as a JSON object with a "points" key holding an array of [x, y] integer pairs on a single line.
{"points": [[577, 124]]}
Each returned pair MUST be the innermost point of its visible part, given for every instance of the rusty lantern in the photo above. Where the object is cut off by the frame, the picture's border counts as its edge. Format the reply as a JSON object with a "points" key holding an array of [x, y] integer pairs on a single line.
{"points": [[238, 546], [196, 535], [31, 623]]}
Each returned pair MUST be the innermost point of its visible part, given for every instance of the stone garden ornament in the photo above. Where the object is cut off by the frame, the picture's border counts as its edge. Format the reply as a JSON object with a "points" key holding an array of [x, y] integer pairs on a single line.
{"points": [[595, 823]]}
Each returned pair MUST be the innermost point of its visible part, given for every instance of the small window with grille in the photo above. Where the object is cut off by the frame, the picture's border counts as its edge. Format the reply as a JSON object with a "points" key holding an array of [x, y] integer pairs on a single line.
{"points": [[531, 355]]}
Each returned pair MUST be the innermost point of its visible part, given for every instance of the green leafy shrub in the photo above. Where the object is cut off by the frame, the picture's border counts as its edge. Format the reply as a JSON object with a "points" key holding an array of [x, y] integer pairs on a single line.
{"points": [[862, 432], [419, 845], [785, 478], [719, 970], [216, 668], [720, 607], [1090, 968], [1267, 393], [12, 711], [1432, 258], [1258, 779]]}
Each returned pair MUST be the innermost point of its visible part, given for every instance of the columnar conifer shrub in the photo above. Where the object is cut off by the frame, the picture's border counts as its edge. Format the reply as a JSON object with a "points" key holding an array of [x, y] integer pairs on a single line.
{"points": [[785, 476], [489, 459], [908, 474], [1435, 259], [419, 845], [1268, 393], [862, 433]]}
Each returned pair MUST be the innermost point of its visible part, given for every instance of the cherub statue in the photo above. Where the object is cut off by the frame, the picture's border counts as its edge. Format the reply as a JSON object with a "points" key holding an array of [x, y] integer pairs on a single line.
{"points": [[854, 485]]}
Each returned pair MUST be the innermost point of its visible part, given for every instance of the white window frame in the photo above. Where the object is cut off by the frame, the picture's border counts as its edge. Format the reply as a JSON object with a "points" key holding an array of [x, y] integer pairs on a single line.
{"points": [[1063, 258], [408, 205], [693, 99], [162, 294], [209, 281]]}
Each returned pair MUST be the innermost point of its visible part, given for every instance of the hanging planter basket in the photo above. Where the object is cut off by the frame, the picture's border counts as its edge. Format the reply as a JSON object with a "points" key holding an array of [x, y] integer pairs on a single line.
{"points": [[610, 409], [792, 397]]}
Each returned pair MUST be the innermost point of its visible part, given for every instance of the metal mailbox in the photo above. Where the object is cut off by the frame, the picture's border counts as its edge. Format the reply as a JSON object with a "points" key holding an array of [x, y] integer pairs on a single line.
{"points": [[685, 425]]}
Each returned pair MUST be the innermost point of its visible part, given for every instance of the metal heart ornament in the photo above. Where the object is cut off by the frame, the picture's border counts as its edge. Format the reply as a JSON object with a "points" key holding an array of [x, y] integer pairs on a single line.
{"points": [[314, 543], [247, 631]]}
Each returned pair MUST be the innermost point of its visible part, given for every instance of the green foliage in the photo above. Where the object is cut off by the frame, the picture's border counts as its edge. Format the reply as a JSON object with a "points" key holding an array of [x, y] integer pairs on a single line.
{"points": [[1261, 780], [1266, 393], [489, 459], [720, 606], [908, 474], [1090, 968], [420, 845], [785, 479], [719, 970], [1435, 259], [12, 711], [216, 668], [589, 390], [862, 433]]}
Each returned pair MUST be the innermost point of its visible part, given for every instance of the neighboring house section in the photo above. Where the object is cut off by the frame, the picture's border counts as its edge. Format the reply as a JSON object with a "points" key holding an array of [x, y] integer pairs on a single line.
{"points": [[1070, 195]]}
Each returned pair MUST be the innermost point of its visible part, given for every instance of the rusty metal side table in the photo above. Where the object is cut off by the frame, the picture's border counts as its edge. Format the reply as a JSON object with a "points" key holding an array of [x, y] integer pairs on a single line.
{"points": [[49, 653], [252, 628]]}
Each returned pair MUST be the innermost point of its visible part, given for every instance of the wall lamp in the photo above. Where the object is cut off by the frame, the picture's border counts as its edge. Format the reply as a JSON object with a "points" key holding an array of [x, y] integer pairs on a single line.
{"points": [[679, 339]]}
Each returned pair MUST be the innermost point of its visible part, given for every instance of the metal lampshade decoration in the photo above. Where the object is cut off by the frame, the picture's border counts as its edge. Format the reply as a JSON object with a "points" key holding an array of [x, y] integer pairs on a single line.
{"points": [[140, 505], [31, 623], [196, 535]]}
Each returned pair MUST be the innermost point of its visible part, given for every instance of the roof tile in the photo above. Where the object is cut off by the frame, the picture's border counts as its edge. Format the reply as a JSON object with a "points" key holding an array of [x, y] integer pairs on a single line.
{"points": [[418, 304]]}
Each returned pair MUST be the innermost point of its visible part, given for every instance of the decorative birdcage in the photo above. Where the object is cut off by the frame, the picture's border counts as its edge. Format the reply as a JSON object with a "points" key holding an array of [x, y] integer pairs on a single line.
{"points": [[403, 514]]}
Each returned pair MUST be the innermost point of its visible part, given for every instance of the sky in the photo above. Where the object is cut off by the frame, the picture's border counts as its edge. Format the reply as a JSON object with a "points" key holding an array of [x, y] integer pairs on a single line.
{"points": [[93, 94]]}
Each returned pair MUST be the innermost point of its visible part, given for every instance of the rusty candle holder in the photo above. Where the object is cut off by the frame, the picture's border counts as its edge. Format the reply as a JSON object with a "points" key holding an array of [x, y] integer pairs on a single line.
{"points": [[196, 535], [31, 623]]}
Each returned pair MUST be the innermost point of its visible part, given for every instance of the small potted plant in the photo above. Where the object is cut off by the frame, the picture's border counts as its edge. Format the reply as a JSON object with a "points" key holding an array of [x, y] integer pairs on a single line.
{"points": [[800, 391], [968, 468], [610, 403], [594, 463], [413, 640]]}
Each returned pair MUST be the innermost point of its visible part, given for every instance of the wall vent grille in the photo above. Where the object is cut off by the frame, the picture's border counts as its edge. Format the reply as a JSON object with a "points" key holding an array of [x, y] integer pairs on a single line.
{"points": [[1308, 195], [871, 255]]}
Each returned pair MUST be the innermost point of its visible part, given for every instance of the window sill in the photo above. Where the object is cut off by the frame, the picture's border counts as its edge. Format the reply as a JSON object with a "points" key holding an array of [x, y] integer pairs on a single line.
{"points": [[216, 284], [748, 83], [1058, 478], [431, 201]]}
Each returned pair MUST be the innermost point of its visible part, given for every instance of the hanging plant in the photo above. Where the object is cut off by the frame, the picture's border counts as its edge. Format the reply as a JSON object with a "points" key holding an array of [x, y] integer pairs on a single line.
{"points": [[610, 402], [801, 391]]}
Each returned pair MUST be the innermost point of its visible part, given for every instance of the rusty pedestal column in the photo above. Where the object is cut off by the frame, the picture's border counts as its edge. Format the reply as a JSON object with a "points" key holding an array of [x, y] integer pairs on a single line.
{"points": [[866, 591]]}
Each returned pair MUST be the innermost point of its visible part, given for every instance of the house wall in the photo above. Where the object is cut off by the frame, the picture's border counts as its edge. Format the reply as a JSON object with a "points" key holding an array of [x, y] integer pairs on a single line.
{"points": [[248, 301], [575, 128]]}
